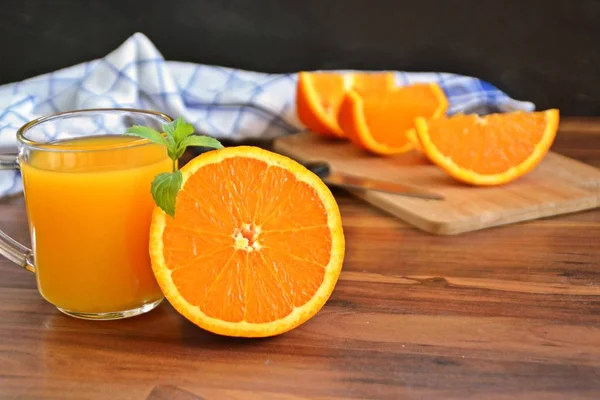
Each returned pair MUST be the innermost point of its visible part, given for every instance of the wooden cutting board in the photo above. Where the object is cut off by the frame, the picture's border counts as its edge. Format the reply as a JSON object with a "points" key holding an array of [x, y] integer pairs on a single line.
{"points": [[557, 186]]}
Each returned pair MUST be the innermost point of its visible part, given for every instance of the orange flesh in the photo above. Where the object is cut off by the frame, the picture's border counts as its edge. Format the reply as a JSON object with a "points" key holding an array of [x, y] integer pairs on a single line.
{"points": [[327, 89], [496, 143], [380, 82], [331, 88], [247, 247], [389, 115], [317, 99]]}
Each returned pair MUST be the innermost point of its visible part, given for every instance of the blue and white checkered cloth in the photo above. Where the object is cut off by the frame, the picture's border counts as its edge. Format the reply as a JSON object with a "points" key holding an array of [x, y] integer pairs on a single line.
{"points": [[221, 102]]}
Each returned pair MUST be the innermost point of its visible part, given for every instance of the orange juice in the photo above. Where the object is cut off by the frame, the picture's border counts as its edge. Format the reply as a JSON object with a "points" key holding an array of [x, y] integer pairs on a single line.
{"points": [[89, 207]]}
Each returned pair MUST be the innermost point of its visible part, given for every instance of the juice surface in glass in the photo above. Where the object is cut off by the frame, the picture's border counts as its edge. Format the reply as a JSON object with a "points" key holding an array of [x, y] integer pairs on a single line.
{"points": [[89, 217]]}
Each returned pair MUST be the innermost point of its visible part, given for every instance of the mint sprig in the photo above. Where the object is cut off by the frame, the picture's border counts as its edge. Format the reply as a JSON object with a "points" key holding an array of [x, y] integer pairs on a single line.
{"points": [[164, 190], [178, 136]]}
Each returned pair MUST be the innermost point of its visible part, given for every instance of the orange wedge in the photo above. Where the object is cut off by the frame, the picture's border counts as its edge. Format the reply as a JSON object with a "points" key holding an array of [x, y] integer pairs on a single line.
{"points": [[256, 245], [413, 138], [319, 94], [378, 122], [490, 150]]}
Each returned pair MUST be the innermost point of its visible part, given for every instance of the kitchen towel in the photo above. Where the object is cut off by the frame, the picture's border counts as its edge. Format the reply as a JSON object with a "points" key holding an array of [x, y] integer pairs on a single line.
{"points": [[222, 102]]}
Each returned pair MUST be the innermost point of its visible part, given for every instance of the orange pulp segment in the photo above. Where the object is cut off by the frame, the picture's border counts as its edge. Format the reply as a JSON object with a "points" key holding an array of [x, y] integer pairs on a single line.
{"points": [[378, 122], [319, 94]]}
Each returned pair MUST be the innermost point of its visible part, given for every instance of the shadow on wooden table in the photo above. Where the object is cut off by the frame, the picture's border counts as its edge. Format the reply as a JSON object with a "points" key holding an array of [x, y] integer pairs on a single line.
{"points": [[172, 325], [168, 392]]}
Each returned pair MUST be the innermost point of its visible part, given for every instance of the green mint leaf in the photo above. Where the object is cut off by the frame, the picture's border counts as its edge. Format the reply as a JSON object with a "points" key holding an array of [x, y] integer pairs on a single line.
{"points": [[179, 152], [197, 140], [201, 141], [169, 129], [172, 153], [171, 142], [179, 135], [178, 130], [147, 133], [164, 190]]}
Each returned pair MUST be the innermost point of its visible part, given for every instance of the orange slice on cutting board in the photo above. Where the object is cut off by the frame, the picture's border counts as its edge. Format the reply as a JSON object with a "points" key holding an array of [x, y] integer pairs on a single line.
{"points": [[378, 122], [413, 138], [490, 150], [256, 245], [319, 94]]}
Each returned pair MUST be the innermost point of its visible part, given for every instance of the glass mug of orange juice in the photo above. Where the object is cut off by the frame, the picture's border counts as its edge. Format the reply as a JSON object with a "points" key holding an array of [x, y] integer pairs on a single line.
{"points": [[88, 201]]}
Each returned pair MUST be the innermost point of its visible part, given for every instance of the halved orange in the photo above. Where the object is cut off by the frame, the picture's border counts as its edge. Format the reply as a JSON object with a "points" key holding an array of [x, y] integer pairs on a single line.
{"points": [[378, 122], [490, 150], [319, 94], [256, 245]]}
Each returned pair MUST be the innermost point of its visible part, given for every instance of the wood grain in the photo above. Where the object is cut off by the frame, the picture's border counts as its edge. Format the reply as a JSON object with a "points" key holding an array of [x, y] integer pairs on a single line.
{"points": [[559, 185], [510, 312]]}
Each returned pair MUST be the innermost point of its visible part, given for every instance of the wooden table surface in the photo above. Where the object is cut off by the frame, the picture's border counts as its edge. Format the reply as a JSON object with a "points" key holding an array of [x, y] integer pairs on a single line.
{"points": [[510, 312]]}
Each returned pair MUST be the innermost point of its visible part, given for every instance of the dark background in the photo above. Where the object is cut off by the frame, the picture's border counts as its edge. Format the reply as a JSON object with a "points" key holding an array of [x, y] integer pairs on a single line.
{"points": [[545, 51]]}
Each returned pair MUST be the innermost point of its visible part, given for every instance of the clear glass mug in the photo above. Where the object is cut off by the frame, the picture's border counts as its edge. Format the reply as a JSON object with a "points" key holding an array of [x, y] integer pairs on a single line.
{"points": [[88, 201]]}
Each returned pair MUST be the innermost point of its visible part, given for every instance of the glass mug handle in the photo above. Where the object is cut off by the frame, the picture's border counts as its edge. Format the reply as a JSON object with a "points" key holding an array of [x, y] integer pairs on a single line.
{"points": [[9, 247]]}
